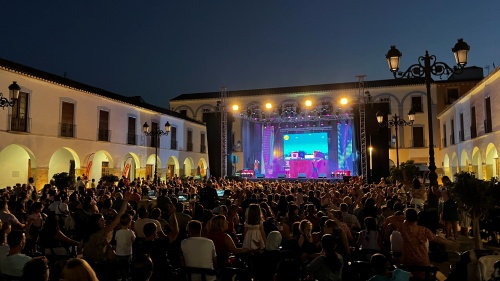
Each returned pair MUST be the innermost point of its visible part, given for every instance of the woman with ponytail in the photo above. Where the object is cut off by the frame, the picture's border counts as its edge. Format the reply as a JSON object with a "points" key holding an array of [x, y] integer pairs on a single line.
{"points": [[328, 266]]}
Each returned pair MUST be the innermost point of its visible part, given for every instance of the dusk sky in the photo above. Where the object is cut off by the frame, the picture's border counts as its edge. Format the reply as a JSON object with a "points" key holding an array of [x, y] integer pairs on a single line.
{"points": [[159, 49]]}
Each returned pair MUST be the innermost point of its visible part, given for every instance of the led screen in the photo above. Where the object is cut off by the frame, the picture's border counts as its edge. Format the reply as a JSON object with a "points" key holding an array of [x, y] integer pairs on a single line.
{"points": [[305, 145]]}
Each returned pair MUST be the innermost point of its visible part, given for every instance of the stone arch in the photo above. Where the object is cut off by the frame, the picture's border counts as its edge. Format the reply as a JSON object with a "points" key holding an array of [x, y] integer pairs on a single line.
{"points": [[101, 163], [464, 161], [446, 166], [453, 164], [17, 164], [134, 165], [188, 166], [477, 163], [172, 166], [491, 161], [203, 106], [201, 169], [177, 109], [65, 160], [150, 166]]}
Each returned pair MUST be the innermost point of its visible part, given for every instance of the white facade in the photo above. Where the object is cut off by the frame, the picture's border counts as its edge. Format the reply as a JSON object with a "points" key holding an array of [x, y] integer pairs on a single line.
{"points": [[477, 149], [45, 145]]}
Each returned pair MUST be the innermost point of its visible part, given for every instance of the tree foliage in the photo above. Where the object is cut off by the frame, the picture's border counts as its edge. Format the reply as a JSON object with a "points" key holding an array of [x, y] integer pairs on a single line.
{"points": [[63, 180], [405, 173], [109, 179]]}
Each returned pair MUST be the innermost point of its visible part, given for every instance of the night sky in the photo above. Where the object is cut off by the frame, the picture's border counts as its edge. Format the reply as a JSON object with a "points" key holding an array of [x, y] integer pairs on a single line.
{"points": [[159, 49]]}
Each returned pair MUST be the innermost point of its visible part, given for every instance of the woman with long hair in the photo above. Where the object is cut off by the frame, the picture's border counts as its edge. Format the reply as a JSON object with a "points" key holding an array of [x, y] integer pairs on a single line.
{"points": [[328, 266], [254, 235]]}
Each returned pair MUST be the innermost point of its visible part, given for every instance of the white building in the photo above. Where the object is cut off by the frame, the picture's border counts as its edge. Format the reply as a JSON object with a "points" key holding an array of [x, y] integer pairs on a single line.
{"points": [[59, 124], [471, 130]]}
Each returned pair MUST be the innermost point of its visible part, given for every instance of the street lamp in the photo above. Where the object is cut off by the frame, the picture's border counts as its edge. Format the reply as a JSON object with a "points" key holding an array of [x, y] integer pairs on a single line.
{"points": [[156, 132], [426, 67], [396, 122], [14, 90]]}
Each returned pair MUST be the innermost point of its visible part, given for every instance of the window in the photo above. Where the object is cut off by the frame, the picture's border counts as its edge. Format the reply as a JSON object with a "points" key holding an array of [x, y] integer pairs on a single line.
{"points": [[131, 137], [451, 95], [418, 136], [67, 127], [189, 140], [387, 100], [173, 138], [487, 121], [452, 135], [416, 104], [155, 140], [473, 128], [183, 112], [444, 136], [103, 131], [203, 147], [461, 135], [19, 118]]}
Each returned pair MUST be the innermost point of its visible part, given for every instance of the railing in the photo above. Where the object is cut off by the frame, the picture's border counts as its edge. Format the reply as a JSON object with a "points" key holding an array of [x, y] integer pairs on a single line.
{"points": [[203, 148], [189, 146], [487, 127], [67, 130], [452, 139], [131, 138], [173, 144], [444, 142], [461, 136], [20, 124], [103, 135]]}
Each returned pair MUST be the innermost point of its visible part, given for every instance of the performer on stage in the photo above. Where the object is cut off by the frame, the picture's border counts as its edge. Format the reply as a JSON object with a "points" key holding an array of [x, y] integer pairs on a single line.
{"points": [[256, 166], [314, 169]]}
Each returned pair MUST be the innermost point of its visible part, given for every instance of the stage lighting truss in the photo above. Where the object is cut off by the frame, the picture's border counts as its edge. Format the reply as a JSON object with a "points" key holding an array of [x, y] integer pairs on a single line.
{"points": [[291, 114]]}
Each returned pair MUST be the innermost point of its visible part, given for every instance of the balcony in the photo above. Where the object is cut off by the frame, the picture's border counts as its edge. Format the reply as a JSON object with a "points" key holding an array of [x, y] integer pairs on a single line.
{"points": [[461, 136], [18, 124], [67, 130], [103, 135], [203, 149], [173, 144], [131, 138], [189, 146]]}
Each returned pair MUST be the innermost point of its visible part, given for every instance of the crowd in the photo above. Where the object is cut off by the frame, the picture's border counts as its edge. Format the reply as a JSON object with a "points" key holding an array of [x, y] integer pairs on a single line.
{"points": [[208, 229]]}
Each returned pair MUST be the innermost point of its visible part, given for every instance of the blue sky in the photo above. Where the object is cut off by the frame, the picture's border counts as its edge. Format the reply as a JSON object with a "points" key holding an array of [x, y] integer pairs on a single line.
{"points": [[159, 49]]}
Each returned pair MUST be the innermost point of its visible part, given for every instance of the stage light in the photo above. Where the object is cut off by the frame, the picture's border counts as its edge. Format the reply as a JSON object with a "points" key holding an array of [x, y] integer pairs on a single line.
{"points": [[343, 101], [308, 103], [236, 107], [269, 105]]}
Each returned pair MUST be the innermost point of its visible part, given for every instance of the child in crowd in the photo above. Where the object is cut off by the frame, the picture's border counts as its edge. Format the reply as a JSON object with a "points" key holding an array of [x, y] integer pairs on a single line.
{"points": [[124, 238], [254, 236]]}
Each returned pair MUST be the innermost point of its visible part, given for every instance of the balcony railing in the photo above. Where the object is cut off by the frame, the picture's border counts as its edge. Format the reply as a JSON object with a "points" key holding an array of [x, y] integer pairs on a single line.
{"points": [[452, 139], [173, 144], [444, 143], [461, 136], [203, 148], [189, 146], [67, 130], [103, 135], [18, 124], [131, 138]]}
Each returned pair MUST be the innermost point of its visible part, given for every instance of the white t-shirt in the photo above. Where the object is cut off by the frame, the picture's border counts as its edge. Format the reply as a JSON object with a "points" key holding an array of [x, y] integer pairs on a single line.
{"points": [[13, 265], [199, 252], [396, 241], [124, 239], [139, 226]]}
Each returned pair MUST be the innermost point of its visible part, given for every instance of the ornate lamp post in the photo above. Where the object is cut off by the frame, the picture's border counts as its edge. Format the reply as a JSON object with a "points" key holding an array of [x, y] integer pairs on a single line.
{"points": [[157, 133], [396, 122], [14, 90], [426, 67]]}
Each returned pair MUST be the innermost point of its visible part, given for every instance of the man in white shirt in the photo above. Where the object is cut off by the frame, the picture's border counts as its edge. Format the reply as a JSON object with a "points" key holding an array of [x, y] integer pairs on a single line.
{"points": [[13, 263], [59, 207], [197, 251]]}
